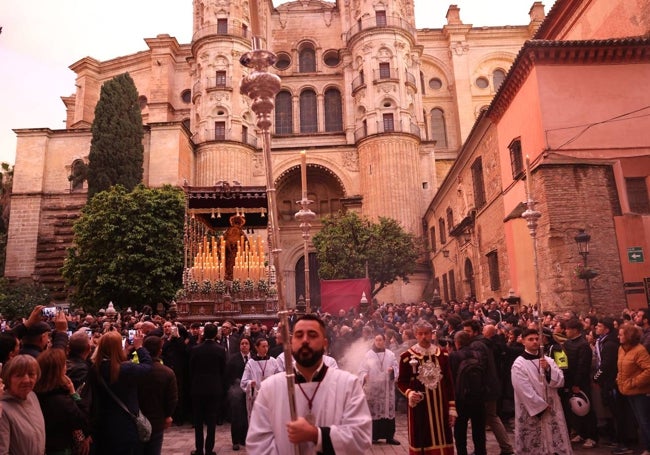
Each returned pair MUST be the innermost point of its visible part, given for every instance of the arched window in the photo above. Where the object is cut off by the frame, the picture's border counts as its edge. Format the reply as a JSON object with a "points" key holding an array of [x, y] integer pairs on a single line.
{"points": [[308, 112], [450, 218], [442, 231], [307, 59], [283, 113], [78, 173], [333, 110], [497, 79], [438, 128]]}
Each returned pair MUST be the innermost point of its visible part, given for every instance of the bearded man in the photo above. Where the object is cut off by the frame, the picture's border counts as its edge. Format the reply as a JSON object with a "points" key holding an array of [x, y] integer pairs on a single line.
{"points": [[333, 415]]}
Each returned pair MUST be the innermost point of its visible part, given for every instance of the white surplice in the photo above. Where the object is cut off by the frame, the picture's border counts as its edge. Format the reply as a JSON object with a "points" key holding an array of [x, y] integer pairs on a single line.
{"points": [[536, 434], [379, 383], [339, 403], [256, 371]]}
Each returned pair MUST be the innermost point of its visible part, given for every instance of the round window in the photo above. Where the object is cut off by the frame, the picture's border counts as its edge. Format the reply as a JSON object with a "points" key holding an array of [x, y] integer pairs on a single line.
{"points": [[284, 61], [186, 96], [142, 101], [332, 58], [482, 82], [435, 83]]}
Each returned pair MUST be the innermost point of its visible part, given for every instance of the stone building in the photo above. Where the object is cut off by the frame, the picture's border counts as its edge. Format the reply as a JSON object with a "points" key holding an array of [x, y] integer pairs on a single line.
{"points": [[381, 108], [574, 103]]}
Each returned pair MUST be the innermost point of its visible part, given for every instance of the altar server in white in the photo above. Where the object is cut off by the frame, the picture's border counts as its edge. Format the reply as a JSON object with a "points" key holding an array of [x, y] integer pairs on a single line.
{"points": [[259, 368], [333, 415], [540, 428]]}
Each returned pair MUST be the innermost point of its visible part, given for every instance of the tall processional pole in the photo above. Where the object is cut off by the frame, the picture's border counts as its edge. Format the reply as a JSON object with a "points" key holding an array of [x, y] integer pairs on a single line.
{"points": [[261, 87]]}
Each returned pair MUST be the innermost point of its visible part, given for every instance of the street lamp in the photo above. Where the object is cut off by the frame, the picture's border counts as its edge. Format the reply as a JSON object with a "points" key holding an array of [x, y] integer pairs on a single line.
{"points": [[582, 240]]}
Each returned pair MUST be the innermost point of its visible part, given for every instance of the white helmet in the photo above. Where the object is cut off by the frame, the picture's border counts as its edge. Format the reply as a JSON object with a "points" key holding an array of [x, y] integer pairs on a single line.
{"points": [[579, 404]]}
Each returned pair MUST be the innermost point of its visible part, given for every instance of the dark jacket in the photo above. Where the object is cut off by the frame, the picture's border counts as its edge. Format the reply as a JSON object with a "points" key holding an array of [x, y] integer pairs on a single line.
{"points": [[207, 369], [113, 429], [578, 355], [77, 370], [62, 414], [606, 371], [492, 382], [231, 345], [235, 369], [158, 395]]}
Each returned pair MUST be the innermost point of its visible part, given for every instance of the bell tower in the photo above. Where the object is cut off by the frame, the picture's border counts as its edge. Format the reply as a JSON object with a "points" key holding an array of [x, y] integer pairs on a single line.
{"points": [[221, 123], [387, 107]]}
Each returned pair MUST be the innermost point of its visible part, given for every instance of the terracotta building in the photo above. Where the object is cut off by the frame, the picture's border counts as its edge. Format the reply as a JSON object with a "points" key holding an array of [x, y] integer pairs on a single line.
{"points": [[381, 108], [575, 104]]}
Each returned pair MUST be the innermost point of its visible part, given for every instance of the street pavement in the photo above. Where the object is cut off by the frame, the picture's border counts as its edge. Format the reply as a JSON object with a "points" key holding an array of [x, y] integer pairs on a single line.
{"points": [[179, 440]]}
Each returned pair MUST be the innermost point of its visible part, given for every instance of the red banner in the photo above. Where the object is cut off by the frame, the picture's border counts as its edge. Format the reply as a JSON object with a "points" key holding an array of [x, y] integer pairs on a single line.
{"points": [[343, 294]]}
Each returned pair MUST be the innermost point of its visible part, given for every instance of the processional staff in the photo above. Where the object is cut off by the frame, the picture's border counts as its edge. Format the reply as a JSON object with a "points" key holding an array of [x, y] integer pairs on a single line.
{"points": [[261, 87], [531, 216]]}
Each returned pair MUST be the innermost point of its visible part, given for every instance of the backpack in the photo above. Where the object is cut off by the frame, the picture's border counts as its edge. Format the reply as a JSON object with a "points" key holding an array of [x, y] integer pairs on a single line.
{"points": [[470, 378]]}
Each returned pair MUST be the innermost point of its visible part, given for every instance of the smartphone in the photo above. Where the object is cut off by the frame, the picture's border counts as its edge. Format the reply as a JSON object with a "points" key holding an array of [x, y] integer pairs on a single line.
{"points": [[48, 312], [175, 330], [90, 334], [131, 336], [69, 332]]}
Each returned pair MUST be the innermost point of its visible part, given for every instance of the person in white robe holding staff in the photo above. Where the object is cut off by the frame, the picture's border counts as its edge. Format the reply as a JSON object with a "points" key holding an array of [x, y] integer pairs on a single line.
{"points": [[540, 428], [378, 371], [260, 367], [333, 415]]}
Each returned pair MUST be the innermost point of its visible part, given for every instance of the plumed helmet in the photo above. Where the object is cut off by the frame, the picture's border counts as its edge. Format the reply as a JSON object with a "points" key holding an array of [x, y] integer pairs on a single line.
{"points": [[579, 404]]}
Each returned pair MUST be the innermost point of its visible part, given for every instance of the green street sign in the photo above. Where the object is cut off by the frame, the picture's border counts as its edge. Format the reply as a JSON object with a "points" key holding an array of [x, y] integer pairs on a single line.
{"points": [[635, 254]]}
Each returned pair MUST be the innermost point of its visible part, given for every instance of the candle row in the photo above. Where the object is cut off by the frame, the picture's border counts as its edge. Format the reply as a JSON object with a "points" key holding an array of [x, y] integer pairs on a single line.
{"points": [[210, 260]]}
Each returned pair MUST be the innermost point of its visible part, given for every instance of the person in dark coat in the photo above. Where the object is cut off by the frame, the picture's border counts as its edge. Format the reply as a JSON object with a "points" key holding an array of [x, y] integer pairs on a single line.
{"points": [[158, 396], [78, 365], [63, 410], [113, 430], [229, 340], [174, 355], [236, 396], [577, 378], [467, 411], [493, 384], [207, 369]]}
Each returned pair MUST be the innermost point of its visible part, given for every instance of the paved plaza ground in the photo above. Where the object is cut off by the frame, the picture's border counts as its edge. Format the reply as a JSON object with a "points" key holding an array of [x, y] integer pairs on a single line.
{"points": [[179, 440]]}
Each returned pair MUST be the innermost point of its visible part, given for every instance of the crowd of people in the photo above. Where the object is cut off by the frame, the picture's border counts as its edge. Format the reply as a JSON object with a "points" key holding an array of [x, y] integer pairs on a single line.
{"points": [[73, 383]]}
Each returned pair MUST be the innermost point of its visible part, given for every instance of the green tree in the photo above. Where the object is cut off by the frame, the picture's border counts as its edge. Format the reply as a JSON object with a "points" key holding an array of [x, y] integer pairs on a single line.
{"points": [[348, 243], [128, 248], [116, 151], [18, 299]]}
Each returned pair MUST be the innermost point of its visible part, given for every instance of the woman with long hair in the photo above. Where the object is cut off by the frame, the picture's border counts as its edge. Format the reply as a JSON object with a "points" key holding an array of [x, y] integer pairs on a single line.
{"points": [[22, 428], [62, 407], [633, 378], [114, 430]]}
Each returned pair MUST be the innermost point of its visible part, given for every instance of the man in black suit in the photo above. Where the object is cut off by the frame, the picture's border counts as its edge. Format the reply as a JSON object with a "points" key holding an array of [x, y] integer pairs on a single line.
{"points": [[229, 340], [207, 369], [236, 396]]}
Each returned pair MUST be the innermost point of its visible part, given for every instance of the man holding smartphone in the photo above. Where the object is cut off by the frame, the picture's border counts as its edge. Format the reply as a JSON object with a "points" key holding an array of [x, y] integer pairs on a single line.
{"points": [[34, 334]]}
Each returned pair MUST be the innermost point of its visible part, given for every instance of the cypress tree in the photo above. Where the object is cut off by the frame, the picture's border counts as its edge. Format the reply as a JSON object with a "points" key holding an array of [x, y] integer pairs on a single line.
{"points": [[116, 151]]}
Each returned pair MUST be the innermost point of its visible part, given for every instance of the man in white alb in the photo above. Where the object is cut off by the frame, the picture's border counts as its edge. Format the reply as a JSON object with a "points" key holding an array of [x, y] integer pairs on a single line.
{"points": [[333, 415], [540, 428]]}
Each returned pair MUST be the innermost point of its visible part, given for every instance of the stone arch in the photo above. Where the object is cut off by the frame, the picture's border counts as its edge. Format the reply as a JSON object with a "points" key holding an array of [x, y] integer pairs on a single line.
{"points": [[221, 61], [494, 60], [436, 68]]}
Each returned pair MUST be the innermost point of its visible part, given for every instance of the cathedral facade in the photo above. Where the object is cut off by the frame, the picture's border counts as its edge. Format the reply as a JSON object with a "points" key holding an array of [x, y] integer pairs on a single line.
{"points": [[381, 108]]}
